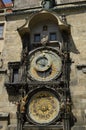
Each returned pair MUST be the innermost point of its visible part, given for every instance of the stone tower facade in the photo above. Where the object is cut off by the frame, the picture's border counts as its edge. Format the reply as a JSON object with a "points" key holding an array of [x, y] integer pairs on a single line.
{"points": [[43, 65]]}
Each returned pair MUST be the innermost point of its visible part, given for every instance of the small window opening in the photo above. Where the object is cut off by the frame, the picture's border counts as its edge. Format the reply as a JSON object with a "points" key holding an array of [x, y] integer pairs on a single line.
{"points": [[37, 38], [1, 30], [45, 28], [15, 76], [53, 36]]}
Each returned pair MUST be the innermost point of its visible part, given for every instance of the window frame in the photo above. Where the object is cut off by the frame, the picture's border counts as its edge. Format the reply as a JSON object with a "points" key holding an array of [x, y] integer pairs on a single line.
{"points": [[45, 28], [14, 66], [1, 31], [37, 41], [51, 33], [14, 78]]}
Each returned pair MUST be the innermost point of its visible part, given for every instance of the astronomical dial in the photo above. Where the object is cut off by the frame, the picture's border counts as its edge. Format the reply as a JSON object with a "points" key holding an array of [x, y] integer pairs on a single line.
{"points": [[45, 65], [43, 107], [42, 62]]}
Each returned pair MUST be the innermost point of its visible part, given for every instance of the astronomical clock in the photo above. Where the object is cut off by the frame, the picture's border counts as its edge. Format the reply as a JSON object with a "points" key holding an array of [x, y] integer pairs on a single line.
{"points": [[45, 95]]}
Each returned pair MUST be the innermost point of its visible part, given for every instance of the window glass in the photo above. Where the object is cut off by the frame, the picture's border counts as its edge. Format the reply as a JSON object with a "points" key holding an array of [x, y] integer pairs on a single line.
{"points": [[15, 76], [1, 30], [53, 36], [37, 38]]}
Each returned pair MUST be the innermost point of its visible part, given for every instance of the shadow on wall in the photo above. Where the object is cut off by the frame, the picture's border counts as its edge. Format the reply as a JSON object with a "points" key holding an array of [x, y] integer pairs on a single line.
{"points": [[69, 42], [72, 47], [14, 95]]}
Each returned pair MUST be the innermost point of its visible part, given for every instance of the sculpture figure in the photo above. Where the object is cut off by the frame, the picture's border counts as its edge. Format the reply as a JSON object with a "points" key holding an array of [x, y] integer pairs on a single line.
{"points": [[48, 3]]}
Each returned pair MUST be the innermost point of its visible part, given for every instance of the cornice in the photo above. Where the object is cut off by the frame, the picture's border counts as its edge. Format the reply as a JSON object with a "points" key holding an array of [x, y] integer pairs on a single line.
{"points": [[58, 8]]}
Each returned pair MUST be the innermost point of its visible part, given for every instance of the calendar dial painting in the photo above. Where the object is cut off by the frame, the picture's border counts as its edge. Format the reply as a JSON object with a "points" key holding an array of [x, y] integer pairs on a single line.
{"points": [[43, 107]]}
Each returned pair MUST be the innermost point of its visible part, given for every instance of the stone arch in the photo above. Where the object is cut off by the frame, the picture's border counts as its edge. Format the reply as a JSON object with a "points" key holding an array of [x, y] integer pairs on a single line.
{"points": [[44, 16]]}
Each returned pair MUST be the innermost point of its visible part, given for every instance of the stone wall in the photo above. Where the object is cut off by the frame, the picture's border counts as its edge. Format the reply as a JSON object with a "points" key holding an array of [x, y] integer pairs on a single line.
{"points": [[10, 51], [78, 77]]}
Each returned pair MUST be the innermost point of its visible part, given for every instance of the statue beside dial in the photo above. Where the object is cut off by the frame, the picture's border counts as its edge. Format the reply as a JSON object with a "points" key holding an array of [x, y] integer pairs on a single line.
{"points": [[45, 64]]}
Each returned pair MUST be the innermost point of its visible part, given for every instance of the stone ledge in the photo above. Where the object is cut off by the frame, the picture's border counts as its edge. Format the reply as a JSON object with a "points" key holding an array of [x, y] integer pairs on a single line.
{"points": [[13, 127], [83, 127], [3, 71], [4, 117]]}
